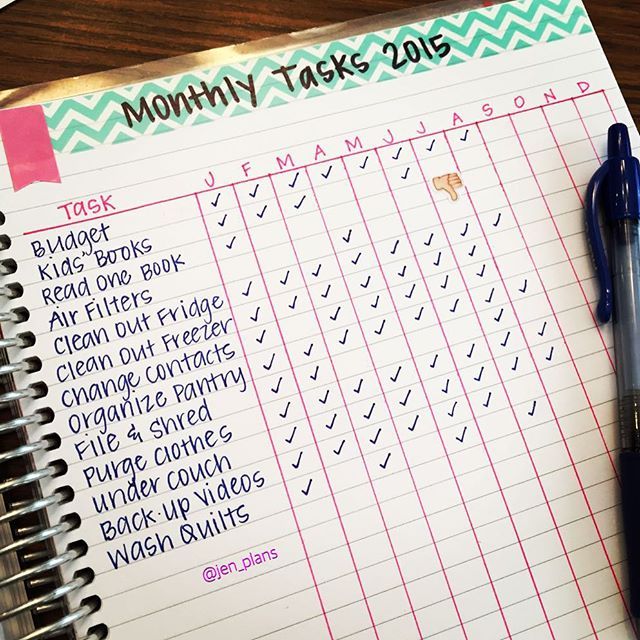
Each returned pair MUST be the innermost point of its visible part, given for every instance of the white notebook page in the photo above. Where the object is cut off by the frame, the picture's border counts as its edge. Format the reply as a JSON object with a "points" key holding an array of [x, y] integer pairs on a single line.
{"points": [[356, 392]]}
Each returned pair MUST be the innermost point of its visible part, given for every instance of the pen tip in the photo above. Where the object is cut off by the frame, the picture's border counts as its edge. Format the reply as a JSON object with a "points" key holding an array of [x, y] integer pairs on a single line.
{"points": [[619, 142]]}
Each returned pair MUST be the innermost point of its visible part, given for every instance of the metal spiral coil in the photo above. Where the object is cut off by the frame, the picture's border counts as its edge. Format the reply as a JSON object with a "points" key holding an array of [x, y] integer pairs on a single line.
{"points": [[32, 534]]}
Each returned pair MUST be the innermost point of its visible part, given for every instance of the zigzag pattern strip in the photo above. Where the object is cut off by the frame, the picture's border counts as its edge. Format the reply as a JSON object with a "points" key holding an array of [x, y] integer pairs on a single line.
{"points": [[88, 121]]}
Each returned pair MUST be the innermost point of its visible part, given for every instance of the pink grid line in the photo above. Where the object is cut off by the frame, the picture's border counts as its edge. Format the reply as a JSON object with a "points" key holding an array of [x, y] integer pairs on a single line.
{"points": [[306, 413], [600, 159], [522, 332], [575, 366], [455, 364], [606, 97], [344, 400], [562, 157], [586, 131], [426, 395], [553, 220], [428, 134], [564, 440], [266, 422]]}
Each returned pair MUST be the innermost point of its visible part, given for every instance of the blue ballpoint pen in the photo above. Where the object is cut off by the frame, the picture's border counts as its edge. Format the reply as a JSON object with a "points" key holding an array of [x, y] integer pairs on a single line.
{"points": [[616, 187]]}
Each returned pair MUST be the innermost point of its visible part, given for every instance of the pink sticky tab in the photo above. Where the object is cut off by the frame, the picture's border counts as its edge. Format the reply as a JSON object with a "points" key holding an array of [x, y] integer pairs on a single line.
{"points": [[27, 145]]}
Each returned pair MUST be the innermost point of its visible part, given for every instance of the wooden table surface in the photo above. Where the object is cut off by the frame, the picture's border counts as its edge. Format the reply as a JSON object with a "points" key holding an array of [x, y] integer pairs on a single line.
{"points": [[50, 39]]}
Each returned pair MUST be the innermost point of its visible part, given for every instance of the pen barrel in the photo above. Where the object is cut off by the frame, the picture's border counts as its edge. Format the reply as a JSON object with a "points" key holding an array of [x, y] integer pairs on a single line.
{"points": [[630, 481], [625, 259], [629, 420]]}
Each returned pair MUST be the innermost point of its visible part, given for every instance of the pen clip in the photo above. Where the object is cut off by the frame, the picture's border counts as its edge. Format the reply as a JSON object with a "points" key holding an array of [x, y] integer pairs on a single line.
{"points": [[594, 193]]}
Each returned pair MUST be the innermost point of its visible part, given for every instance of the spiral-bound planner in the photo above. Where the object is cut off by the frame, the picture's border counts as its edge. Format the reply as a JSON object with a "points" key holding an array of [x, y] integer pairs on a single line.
{"points": [[298, 340]]}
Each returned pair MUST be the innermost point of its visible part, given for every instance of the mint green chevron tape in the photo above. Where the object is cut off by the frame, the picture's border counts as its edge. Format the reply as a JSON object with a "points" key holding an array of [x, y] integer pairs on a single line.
{"points": [[88, 121]]}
